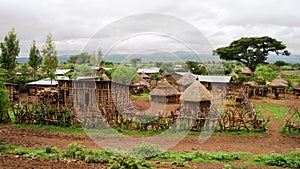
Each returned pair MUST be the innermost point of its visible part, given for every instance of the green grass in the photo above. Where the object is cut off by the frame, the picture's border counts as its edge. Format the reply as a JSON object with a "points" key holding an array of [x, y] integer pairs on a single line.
{"points": [[141, 96], [278, 113], [11, 115], [142, 156], [77, 130], [290, 160]]}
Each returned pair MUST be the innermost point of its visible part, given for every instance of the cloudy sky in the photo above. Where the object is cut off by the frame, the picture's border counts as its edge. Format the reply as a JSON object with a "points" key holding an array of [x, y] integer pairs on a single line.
{"points": [[73, 22]]}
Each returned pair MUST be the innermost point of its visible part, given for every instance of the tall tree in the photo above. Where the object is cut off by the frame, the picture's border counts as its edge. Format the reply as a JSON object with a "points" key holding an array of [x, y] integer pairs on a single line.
{"points": [[99, 57], [4, 99], [9, 51], [50, 57], [35, 58], [252, 50]]}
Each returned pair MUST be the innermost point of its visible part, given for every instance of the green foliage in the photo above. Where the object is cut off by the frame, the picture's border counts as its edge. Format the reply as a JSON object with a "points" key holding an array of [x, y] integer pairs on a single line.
{"points": [[201, 156], [141, 96], [50, 57], [124, 74], [167, 66], [268, 72], [196, 68], [9, 51], [278, 113], [84, 70], [280, 63], [35, 58], [290, 160], [135, 61], [4, 101], [146, 150], [251, 51]]}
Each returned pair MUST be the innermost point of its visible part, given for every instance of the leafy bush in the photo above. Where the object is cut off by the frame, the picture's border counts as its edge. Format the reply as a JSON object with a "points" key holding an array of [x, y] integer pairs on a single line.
{"points": [[290, 160], [146, 150]]}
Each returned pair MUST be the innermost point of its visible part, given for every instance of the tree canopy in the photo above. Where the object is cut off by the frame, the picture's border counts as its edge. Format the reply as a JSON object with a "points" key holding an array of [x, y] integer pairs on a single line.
{"points": [[50, 57], [35, 58], [252, 50], [9, 51], [196, 68]]}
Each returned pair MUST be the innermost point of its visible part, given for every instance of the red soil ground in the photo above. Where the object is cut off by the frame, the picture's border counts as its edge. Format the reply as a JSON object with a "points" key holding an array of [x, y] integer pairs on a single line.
{"points": [[274, 142]]}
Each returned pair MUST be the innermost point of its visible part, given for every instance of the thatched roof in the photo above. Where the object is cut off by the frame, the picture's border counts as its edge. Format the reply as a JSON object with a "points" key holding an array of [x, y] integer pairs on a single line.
{"points": [[246, 71], [105, 77], [233, 74], [297, 87], [278, 84], [251, 83], [144, 76], [164, 89], [186, 79], [141, 81], [165, 73], [279, 81], [196, 93]]}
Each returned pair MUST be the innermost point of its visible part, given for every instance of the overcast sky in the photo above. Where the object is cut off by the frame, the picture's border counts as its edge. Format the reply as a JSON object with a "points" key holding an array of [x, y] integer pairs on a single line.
{"points": [[73, 22]]}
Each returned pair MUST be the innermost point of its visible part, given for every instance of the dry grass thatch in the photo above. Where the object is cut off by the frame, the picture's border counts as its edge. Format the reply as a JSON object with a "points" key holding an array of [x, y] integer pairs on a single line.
{"points": [[246, 71], [251, 83], [279, 81], [186, 79], [297, 87], [278, 84], [164, 89], [144, 76], [233, 74], [141, 81], [196, 93], [105, 77]]}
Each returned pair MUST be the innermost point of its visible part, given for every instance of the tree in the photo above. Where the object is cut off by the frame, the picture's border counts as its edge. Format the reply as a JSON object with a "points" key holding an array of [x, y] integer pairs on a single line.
{"points": [[35, 58], [93, 60], [9, 51], [50, 57], [4, 101], [124, 74], [280, 63], [196, 68], [251, 50], [134, 61], [99, 57]]}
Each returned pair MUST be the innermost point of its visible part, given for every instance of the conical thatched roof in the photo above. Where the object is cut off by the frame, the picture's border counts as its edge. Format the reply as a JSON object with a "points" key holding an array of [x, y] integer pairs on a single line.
{"points": [[165, 73], [278, 81], [297, 87], [186, 79], [105, 77], [164, 89], [196, 93], [233, 74], [144, 76], [141, 81]]}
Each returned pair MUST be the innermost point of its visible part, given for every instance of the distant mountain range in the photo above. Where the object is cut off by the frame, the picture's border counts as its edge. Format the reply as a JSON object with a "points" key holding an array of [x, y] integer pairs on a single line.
{"points": [[178, 56]]}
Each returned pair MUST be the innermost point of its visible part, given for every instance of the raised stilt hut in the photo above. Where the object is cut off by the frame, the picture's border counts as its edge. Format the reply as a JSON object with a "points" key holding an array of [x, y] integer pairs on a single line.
{"points": [[164, 92], [297, 90], [196, 97], [279, 86], [185, 81]]}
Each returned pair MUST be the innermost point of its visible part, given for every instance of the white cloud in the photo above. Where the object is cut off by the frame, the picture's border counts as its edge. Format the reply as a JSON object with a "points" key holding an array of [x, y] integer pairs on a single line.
{"points": [[221, 21]]}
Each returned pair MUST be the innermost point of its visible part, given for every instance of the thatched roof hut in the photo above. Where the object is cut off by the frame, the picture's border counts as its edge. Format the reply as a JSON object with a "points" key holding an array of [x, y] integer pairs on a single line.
{"points": [[185, 81], [279, 86], [297, 90], [233, 74], [105, 77], [165, 92], [144, 76], [246, 71], [141, 81], [196, 93], [297, 87], [279, 81]]}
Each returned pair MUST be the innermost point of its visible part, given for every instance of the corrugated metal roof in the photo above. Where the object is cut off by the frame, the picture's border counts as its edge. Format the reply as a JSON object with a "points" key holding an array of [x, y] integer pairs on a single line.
{"points": [[150, 70], [62, 71], [44, 82], [214, 79]]}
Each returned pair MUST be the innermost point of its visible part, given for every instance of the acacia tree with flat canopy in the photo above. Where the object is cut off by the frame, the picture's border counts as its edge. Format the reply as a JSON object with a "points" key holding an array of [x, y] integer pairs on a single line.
{"points": [[252, 51]]}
